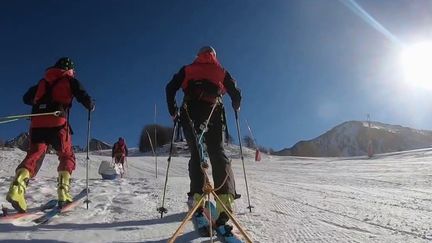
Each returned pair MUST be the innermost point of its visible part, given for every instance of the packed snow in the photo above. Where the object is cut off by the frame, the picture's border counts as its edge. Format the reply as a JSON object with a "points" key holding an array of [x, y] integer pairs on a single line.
{"points": [[383, 199]]}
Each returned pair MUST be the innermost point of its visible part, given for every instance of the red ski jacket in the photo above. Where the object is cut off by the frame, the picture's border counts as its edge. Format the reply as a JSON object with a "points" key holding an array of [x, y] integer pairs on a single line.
{"points": [[205, 67], [64, 88], [119, 148]]}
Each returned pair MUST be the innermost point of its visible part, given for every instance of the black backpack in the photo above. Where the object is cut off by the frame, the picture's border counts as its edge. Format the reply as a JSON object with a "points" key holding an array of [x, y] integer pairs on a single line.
{"points": [[199, 89]]}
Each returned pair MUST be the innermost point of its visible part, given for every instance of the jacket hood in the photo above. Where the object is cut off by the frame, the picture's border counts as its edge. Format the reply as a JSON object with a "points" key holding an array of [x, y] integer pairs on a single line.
{"points": [[55, 73], [207, 57]]}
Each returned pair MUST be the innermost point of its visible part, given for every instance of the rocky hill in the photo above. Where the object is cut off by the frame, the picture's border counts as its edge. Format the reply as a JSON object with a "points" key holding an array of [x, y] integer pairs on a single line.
{"points": [[351, 139], [96, 145], [21, 141]]}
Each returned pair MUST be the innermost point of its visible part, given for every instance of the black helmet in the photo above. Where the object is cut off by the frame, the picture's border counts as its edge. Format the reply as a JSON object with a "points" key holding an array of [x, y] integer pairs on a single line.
{"points": [[206, 49], [65, 63]]}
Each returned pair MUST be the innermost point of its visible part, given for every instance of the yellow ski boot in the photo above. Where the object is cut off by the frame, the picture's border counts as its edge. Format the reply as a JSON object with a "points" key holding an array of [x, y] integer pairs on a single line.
{"points": [[198, 197], [228, 201], [63, 188], [16, 193]]}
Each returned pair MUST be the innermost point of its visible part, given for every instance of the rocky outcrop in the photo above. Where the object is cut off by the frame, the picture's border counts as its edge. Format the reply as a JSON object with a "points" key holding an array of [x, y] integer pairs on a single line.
{"points": [[97, 145], [22, 142]]}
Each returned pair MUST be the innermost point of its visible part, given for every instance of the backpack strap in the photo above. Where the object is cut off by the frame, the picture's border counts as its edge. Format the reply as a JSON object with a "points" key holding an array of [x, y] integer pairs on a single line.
{"points": [[203, 90], [49, 88]]}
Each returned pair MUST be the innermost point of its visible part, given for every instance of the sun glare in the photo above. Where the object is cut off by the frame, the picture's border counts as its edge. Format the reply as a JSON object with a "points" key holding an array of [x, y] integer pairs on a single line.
{"points": [[417, 64]]}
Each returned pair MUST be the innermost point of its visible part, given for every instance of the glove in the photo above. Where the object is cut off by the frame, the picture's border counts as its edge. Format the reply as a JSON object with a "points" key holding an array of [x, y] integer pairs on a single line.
{"points": [[90, 105], [235, 105], [173, 111]]}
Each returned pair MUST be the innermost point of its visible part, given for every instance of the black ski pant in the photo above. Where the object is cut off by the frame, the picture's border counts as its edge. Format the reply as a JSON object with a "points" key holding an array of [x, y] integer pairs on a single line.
{"points": [[193, 115]]}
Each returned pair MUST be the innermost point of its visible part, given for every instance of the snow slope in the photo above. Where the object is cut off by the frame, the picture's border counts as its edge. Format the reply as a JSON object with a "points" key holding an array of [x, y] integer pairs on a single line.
{"points": [[383, 199]]}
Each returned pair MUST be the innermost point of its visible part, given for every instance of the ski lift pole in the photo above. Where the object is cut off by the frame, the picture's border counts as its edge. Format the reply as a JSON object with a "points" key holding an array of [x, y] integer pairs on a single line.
{"points": [[153, 151], [252, 136], [162, 209], [242, 159], [257, 150]]}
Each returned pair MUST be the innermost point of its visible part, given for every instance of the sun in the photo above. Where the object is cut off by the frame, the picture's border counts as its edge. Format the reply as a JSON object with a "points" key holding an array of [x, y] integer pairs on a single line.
{"points": [[417, 64]]}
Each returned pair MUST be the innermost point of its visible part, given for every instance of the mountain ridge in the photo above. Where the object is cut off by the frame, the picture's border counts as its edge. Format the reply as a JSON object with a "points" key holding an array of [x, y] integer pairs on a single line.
{"points": [[352, 138]]}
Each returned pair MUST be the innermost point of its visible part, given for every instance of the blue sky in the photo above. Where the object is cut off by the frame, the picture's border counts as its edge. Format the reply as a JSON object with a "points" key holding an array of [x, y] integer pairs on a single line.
{"points": [[303, 66]]}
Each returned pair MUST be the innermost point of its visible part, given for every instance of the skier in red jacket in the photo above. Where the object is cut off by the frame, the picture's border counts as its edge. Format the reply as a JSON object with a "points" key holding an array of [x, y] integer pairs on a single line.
{"points": [[204, 82], [54, 92], [119, 154]]}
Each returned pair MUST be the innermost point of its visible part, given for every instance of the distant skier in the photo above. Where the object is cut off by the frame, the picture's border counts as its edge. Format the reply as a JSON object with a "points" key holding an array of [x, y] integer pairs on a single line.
{"points": [[119, 154], [54, 92], [203, 83]]}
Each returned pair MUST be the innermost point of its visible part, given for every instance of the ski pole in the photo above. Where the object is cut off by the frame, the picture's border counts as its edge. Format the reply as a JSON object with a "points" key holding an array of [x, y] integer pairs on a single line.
{"points": [[242, 158], [13, 118], [162, 209], [88, 158], [7, 121]]}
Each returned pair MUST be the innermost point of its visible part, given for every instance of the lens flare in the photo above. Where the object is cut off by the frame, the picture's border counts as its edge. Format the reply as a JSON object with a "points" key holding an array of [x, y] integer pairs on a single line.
{"points": [[417, 64]]}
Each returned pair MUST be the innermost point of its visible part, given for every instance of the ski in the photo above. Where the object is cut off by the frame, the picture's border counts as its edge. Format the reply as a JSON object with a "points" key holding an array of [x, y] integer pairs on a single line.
{"points": [[224, 232], [199, 220], [58, 210], [31, 213]]}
